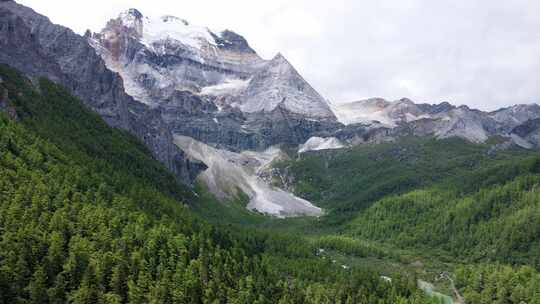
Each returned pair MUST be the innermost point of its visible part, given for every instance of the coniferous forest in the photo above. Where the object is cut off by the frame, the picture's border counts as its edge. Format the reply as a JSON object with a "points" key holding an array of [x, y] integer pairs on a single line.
{"points": [[360, 152], [476, 212], [88, 216]]}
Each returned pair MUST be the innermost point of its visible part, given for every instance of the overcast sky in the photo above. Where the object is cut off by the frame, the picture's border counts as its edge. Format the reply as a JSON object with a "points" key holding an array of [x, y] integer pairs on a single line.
{"points": [[483, 53]]}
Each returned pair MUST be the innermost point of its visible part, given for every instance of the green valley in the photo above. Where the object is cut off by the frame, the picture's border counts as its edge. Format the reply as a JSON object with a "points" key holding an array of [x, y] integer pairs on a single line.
{"points": [[88, 216]]}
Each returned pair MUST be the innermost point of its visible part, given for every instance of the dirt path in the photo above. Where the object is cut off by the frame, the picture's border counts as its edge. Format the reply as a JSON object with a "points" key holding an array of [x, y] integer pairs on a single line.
{"points": [[458, 296]]}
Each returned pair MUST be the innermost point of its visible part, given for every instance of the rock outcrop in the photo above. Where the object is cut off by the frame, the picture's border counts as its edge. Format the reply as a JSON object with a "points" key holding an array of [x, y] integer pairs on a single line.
{"points": [[39, 48]]}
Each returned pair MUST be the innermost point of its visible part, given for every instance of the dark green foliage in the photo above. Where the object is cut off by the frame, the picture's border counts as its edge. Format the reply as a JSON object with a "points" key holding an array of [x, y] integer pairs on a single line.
{"points": [[448, 200], [54, 114], [350, 180], [498, 222], [87, 216], [448, 196], [486, 284]]}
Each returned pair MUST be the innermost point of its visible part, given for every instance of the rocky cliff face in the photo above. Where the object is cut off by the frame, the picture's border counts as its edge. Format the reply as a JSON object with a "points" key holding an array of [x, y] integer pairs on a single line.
{"points": [[527, 135], [212, 86], [389, 120], [511, 117], [39, 48], [18, 45]]}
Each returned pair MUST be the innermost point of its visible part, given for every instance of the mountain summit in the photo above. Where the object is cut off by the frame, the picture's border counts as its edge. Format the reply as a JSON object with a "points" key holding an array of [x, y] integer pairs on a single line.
{"points": [[159, 56], [168, 63]]}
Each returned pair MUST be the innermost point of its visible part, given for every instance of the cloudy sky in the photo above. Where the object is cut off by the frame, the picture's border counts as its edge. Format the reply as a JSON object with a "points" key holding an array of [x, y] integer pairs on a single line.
{"points": [[484, 53]]}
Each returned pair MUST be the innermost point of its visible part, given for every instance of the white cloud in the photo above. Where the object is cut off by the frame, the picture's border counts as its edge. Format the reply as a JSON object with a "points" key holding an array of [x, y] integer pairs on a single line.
{"points": [[485, 53]]}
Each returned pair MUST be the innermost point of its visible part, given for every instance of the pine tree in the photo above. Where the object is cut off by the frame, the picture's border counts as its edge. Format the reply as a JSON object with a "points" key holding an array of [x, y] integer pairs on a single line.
{"points": [[37, 288]]}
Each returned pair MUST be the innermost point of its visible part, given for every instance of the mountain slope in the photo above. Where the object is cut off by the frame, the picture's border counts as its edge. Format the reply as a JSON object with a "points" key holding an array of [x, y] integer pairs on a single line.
{"points": [[87, 221], [351, 179], [87, 214], [452, 202], [474, 202], [175, 66], [279, 84], [499, 221], [231, 175], [55, 52]]}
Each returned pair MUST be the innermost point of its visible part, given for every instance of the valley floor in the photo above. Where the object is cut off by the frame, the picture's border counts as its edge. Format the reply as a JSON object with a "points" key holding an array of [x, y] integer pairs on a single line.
{"points": [[406, 233]]}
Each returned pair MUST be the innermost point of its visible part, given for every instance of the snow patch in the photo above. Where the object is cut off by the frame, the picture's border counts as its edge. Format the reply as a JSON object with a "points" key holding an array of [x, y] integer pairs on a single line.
{"points": [[366, 111], [320, 143], [151, 29], [229, 86], [170, 27]]}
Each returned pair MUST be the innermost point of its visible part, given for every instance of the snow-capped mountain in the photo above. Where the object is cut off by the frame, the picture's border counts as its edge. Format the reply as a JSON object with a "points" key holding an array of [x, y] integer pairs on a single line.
{"points": [[158, 56], [204, 101], [31, 43], [216, 93], [248, 102]]}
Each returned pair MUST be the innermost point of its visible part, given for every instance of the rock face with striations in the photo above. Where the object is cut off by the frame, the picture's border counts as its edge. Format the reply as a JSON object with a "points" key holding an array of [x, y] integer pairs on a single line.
{"points": [[527, 134], [376, 119], [39, 48], [212, 86]]}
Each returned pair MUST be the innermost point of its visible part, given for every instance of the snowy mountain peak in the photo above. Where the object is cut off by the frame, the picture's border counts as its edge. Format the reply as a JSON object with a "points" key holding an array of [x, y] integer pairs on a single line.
{"points": [[150, 30], [132, 19], [278, 83], [279, 58], [131, 14], [153, 29]]}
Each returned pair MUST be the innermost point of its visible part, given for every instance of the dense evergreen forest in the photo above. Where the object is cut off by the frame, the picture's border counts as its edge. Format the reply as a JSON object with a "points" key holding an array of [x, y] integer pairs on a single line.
{"points": [[500, 222], [87, 216], [469, 205]]}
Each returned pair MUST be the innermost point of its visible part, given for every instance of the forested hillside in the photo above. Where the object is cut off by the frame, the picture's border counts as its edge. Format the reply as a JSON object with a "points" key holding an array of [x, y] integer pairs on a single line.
{"points": [[87, 216], [158, 161], [471, 206], [498, 222], [347, 181]]}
